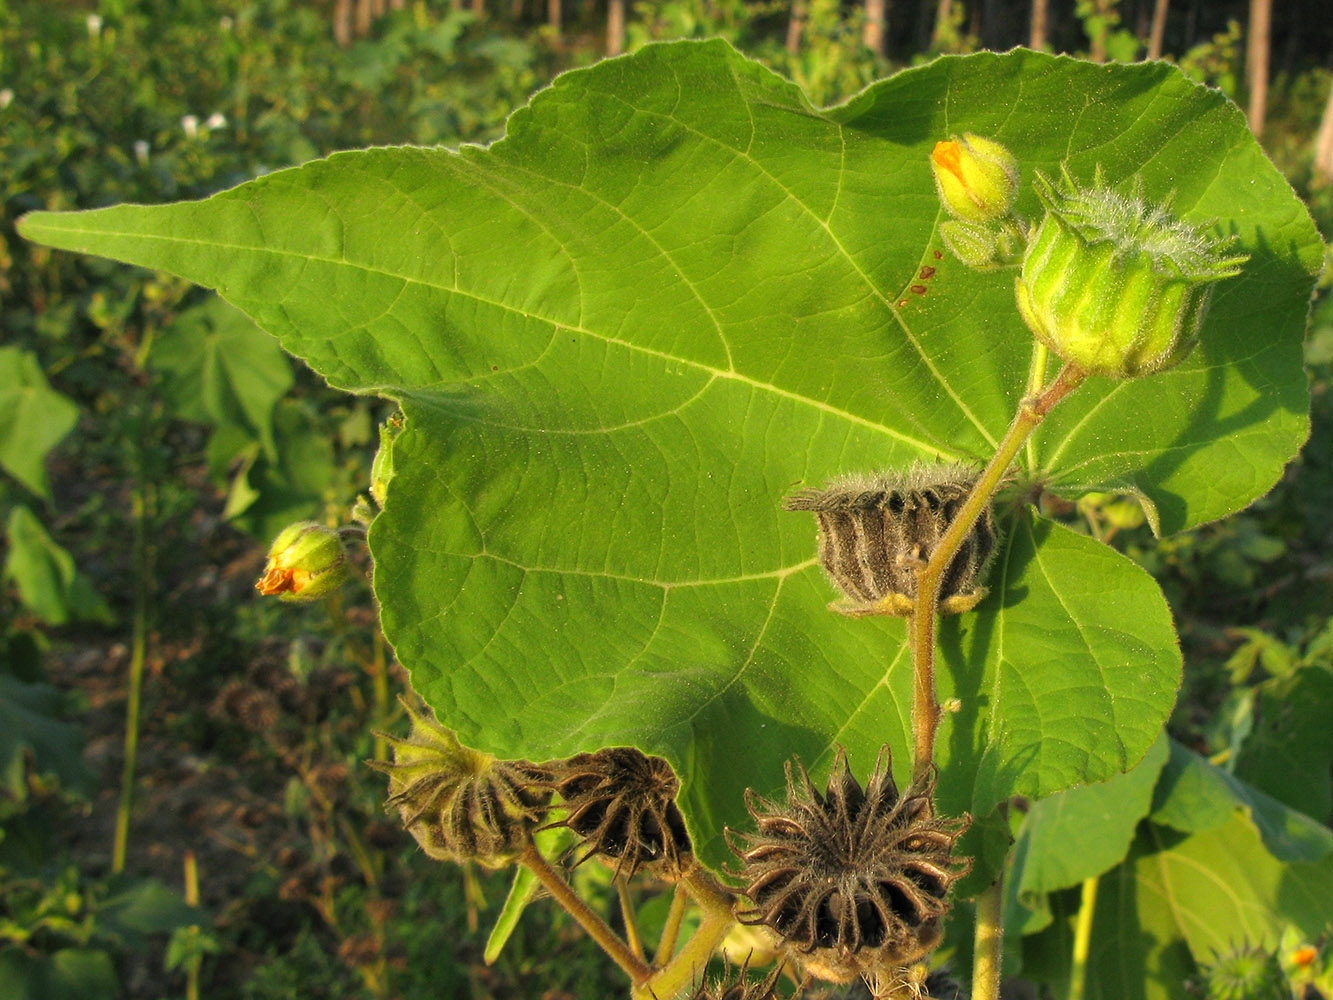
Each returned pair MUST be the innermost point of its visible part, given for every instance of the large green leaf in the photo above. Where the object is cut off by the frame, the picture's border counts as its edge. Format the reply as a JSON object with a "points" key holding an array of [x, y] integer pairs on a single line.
{"points": [[1179, 900], [33, 418], [673, 293]]}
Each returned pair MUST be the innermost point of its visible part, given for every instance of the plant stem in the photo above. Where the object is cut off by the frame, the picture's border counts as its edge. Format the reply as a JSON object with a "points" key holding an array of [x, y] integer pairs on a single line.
{"points": [[627, 915], [192, 963], [1078, 970], [140, 503], [921, 624], [988, 957], [718, 919], [666, 945], [633, 966]]}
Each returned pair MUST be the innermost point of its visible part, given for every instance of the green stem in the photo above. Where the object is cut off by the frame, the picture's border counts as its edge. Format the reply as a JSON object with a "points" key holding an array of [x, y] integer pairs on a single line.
{"points": [[1078, 970], [921, 624], [1036, 380], [627, 915], [666, 945], [140, 504], [633, 966], [988, 957], [692, 959]]}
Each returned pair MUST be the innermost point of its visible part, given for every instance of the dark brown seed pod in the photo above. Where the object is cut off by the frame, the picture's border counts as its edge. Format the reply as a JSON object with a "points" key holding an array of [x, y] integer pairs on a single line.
{"points": [[855, 881], [877, 531], [622, 803], [461, 804]]}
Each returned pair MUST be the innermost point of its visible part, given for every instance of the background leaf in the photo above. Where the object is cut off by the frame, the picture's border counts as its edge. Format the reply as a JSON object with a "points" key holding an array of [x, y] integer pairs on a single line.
{"points": [[48, 582], [33, 418], [674, 293], [222, 370]]}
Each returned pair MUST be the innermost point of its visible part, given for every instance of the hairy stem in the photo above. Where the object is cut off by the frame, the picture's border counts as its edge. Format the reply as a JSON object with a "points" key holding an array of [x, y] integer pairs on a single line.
{"points": [[1078, 969], [627, 915], [634, 967], [988, 958], [921, 624], [666, 945]]}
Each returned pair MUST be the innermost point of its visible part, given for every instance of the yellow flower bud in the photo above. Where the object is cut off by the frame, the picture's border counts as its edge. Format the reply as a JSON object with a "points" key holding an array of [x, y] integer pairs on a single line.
{"points": [[977, 178], [306, 561]]}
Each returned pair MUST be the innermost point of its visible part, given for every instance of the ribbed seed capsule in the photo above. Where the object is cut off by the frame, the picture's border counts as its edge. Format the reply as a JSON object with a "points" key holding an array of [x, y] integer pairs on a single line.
{"points": [[458, 803], [876, 532], [855, 881], [622, 803]]}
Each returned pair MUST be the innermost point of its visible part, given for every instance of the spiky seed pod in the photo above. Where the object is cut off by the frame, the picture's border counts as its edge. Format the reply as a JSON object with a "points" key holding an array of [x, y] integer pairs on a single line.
{"points": [[622, 803], [877, 531], [461, 804], [1247, 973], [855, 881], [739, 987]]}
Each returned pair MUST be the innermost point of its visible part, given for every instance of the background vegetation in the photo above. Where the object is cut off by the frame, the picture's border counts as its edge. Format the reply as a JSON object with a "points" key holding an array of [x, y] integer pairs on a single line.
{"points": [[152, 441]]}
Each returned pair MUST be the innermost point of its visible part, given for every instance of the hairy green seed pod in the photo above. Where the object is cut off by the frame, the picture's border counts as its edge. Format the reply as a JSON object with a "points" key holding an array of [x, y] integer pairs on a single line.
{"points": [[1247, 973], [1114, 285]]}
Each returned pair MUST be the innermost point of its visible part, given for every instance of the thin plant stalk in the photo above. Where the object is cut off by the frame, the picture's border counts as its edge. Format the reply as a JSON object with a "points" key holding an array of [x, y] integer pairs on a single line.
{"points": [[693, 958], [921, 625], [140, 504], [631, 964], [666, 945], [627, 915], [192, 963], [1078, 969], [988, 957]]}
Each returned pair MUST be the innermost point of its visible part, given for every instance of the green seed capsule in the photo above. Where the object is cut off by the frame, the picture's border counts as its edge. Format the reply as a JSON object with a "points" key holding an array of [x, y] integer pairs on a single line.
{"points": [[1114, 285]]}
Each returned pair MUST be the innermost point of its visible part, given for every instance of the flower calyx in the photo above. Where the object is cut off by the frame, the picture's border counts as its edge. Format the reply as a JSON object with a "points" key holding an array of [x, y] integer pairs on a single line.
{"points": [[855, 881], [1116, 285], [458, 803], [877, 531], [621, 802], [306, 561]]}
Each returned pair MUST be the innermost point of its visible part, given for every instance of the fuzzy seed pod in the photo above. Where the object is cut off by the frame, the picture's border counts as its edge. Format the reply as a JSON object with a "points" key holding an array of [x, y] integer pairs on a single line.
{"points": [[622, 803], [877, 531], [855, 881], [1116, 285], [458, 803]]}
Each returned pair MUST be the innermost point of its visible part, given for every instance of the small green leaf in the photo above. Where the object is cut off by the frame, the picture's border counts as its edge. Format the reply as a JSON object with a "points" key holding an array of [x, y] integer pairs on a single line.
{"points": [[223, 370], [34, 418], [31, 723], [48, 583]]}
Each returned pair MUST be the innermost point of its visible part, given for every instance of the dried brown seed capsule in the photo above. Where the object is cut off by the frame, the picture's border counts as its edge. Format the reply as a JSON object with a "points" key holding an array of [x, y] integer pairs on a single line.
{"points": [[459, 803], [623, 804], [855, 881], [877, 531]]}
